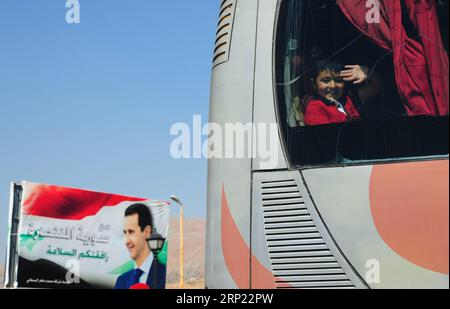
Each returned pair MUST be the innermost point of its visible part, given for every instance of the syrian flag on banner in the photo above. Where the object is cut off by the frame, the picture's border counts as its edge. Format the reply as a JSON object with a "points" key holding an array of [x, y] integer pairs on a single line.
{"points": [[72, 238]]}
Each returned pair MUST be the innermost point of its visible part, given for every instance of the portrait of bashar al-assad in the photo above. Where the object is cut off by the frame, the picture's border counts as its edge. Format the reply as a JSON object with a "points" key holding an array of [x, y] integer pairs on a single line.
{"points": [[137, 228]]}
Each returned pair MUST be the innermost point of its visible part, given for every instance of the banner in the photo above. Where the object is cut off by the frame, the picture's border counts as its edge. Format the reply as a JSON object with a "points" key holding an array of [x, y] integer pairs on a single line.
{"points": [[72, 238]]}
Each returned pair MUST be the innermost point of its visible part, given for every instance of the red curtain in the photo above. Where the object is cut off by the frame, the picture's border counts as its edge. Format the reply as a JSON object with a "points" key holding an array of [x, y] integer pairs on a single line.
{"points": [[421, 64]]}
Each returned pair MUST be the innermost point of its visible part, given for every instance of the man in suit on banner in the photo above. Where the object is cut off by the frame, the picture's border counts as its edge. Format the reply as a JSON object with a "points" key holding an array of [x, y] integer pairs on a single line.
{"points": [[138, 225]]}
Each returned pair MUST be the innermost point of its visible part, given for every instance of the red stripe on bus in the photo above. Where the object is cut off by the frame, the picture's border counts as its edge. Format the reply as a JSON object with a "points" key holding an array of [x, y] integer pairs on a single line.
{"points": [[237, 257], [410, 209]]}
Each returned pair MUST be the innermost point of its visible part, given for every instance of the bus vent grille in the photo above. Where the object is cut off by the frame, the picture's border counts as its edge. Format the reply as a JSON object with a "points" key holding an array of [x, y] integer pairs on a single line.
{"points": [[299, 256], [224, 30]]}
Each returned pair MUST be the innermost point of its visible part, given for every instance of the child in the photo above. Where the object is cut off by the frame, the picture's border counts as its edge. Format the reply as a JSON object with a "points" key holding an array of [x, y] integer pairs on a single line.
{"points": [[331, 104]]}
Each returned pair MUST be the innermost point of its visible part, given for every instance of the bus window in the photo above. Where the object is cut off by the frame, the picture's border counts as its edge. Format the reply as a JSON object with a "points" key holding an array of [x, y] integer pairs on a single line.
{"points": [[350, 90]]}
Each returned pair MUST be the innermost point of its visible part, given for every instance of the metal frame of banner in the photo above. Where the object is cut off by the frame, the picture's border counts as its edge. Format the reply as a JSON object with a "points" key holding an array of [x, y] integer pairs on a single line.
{"points": [[12, 254]]}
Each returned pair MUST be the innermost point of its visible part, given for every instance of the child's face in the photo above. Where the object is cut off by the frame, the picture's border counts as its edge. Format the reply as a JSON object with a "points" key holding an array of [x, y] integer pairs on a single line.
{"points": [[329, 85]]}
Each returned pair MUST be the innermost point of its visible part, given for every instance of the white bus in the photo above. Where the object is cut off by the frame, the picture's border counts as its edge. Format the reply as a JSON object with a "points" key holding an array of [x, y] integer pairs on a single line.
{"points": [[358, 197]]}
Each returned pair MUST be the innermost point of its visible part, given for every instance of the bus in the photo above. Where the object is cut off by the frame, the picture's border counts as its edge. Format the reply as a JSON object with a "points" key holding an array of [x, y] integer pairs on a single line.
{"points": [[358, 196]]}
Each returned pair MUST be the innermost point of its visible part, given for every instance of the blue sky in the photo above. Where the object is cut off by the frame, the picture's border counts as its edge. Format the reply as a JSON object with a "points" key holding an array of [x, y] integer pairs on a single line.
{"points": [[90, 105]]}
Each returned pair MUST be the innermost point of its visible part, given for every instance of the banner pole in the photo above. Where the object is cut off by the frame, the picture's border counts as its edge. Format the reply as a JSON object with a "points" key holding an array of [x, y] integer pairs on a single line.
{"points": [[181, 249], [12, 246]]}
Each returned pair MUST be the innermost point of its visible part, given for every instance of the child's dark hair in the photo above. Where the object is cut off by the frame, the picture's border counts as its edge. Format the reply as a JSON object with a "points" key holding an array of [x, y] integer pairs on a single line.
{"points": [[332, 65]]}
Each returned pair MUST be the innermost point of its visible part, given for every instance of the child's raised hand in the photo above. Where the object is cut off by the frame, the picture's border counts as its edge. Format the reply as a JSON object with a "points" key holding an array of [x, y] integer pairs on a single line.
{"points": [[354, 73]]}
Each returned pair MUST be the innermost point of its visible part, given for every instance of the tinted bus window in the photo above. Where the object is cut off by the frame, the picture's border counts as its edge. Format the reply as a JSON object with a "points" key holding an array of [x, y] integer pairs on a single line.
{"points": [[357, 83]]}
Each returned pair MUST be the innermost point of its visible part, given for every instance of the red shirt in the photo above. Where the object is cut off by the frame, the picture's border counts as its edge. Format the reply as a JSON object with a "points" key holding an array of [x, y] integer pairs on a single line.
{"points": [[318, 112]]}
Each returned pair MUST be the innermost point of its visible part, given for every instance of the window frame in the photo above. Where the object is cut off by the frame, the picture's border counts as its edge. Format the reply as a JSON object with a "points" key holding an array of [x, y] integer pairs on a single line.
{"points": [[283, 126]]}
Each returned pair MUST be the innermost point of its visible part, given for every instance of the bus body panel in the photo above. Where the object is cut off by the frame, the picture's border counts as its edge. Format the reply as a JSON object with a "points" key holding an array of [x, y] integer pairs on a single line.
{"points": [[289, 237], [390, 220], [264, 105], [231, 97]]}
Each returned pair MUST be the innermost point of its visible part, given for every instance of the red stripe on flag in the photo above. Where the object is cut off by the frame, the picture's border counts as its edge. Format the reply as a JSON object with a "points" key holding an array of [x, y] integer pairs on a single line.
{"points": [[71, 204]]}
